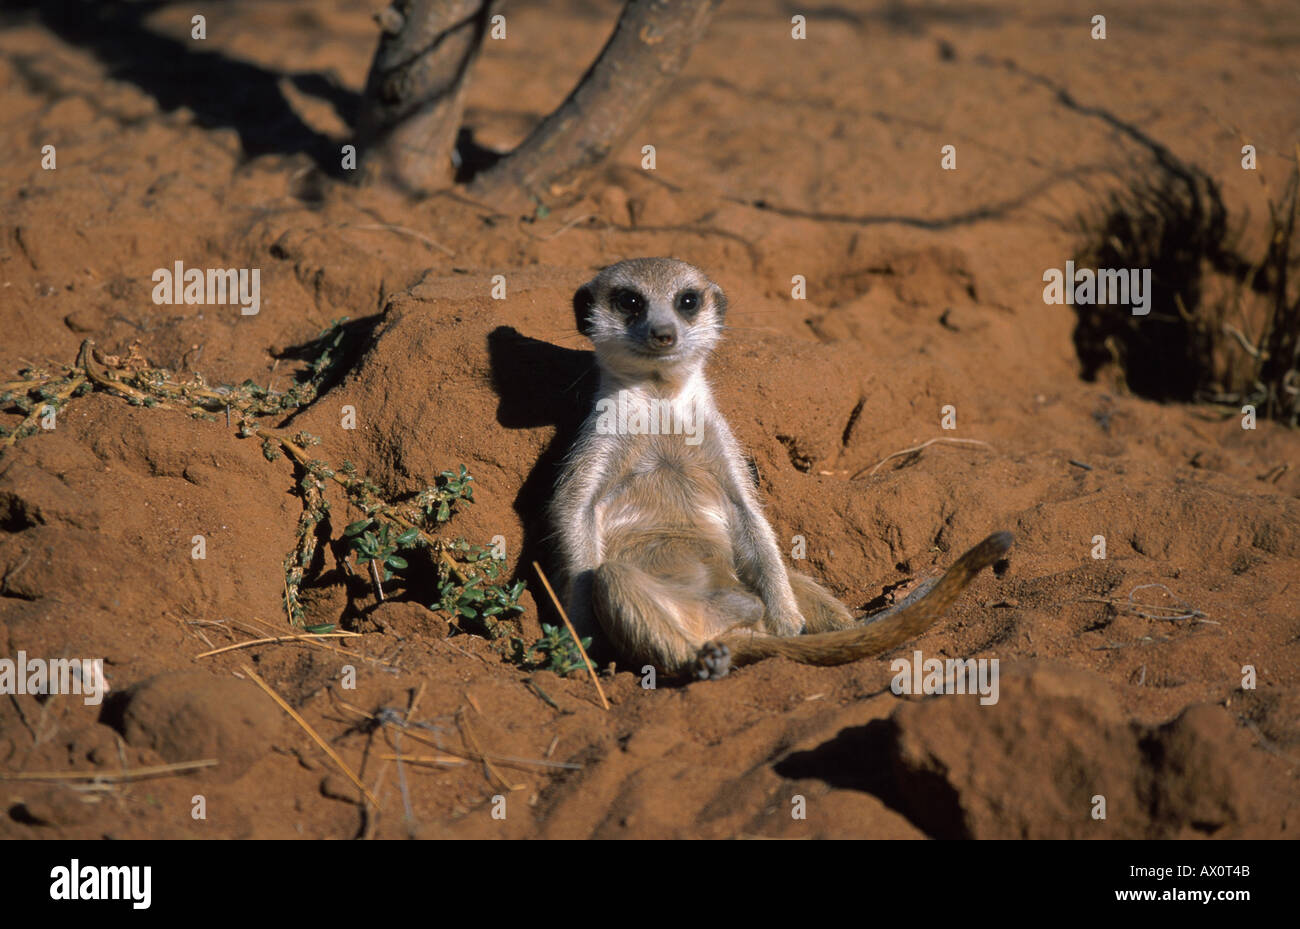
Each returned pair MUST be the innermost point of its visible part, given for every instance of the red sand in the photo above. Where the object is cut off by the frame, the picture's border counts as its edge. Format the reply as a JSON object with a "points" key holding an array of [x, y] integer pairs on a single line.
{"points": [[903, 316]]}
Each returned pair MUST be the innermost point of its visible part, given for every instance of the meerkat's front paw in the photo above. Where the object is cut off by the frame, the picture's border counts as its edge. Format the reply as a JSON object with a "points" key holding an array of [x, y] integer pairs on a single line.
{"points": [[788, 622], [712, 662]]}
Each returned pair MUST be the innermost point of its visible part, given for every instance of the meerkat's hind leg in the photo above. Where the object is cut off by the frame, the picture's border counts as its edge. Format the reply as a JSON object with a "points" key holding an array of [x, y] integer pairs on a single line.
{"points": [[738, 609], [735, 606], [648, 619], [822, 611]]}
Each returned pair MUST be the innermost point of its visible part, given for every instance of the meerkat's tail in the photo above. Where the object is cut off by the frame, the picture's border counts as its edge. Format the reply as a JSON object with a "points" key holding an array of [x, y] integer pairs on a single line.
{"points": [[873, 638]]}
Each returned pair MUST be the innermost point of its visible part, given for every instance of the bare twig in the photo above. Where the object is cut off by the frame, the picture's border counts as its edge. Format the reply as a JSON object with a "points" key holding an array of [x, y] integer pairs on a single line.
{"points": [[401, 230], [138, 774], [374, 576], [308, 639], [472, 754], [916, 449], [591, 669], [472, 741], [293, 714], [279, 638], [450, 760], [563, 229]]}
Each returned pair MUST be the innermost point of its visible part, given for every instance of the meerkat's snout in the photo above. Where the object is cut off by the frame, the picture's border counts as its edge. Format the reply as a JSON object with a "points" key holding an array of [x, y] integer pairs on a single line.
{"points": [[663, 335]]}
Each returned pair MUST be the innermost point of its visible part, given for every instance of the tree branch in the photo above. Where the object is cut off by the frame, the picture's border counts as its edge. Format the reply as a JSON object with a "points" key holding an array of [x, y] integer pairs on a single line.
{"points": [[650, 44], [415, 92]]}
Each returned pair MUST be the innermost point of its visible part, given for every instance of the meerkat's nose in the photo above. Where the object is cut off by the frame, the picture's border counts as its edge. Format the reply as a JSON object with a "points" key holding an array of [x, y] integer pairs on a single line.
{"points": [[664, 336]]}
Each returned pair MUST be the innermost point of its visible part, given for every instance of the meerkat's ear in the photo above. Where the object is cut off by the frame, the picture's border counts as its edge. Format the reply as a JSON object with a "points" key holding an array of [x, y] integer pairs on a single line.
{"points": [[720, 301], [582, 301]]}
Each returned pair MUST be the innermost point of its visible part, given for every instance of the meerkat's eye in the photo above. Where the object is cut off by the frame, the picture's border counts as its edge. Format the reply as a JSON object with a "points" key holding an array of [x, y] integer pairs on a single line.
{"points": [[688, 302], [629, 301]]}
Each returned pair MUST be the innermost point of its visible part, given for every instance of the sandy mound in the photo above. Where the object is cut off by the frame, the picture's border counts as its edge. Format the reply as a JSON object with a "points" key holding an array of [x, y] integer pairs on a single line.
{"points": [[924, 290]]}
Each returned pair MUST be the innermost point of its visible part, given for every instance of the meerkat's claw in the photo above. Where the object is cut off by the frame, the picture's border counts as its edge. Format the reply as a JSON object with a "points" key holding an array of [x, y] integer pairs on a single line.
{"points": [[713, 662]]}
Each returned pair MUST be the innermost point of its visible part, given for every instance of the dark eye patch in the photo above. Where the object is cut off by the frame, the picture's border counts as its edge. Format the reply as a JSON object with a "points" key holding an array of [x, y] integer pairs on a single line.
{"points": [[628, 301], [688, 303]]}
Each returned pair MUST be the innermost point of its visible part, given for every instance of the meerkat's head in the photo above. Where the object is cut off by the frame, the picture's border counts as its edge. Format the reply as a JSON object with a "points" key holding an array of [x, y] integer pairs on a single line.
{"points": [[650, 317]]}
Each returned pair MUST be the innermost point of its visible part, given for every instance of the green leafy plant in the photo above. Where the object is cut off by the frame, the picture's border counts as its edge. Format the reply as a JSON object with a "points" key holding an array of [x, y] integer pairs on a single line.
{"points": [[560, 651], [373, 543], [469, 577], [469, 581], [481, 602]]}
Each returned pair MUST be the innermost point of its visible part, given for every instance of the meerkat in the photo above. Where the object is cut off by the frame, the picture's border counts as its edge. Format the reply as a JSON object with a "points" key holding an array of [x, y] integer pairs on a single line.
{"points": [[661, 539]]}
